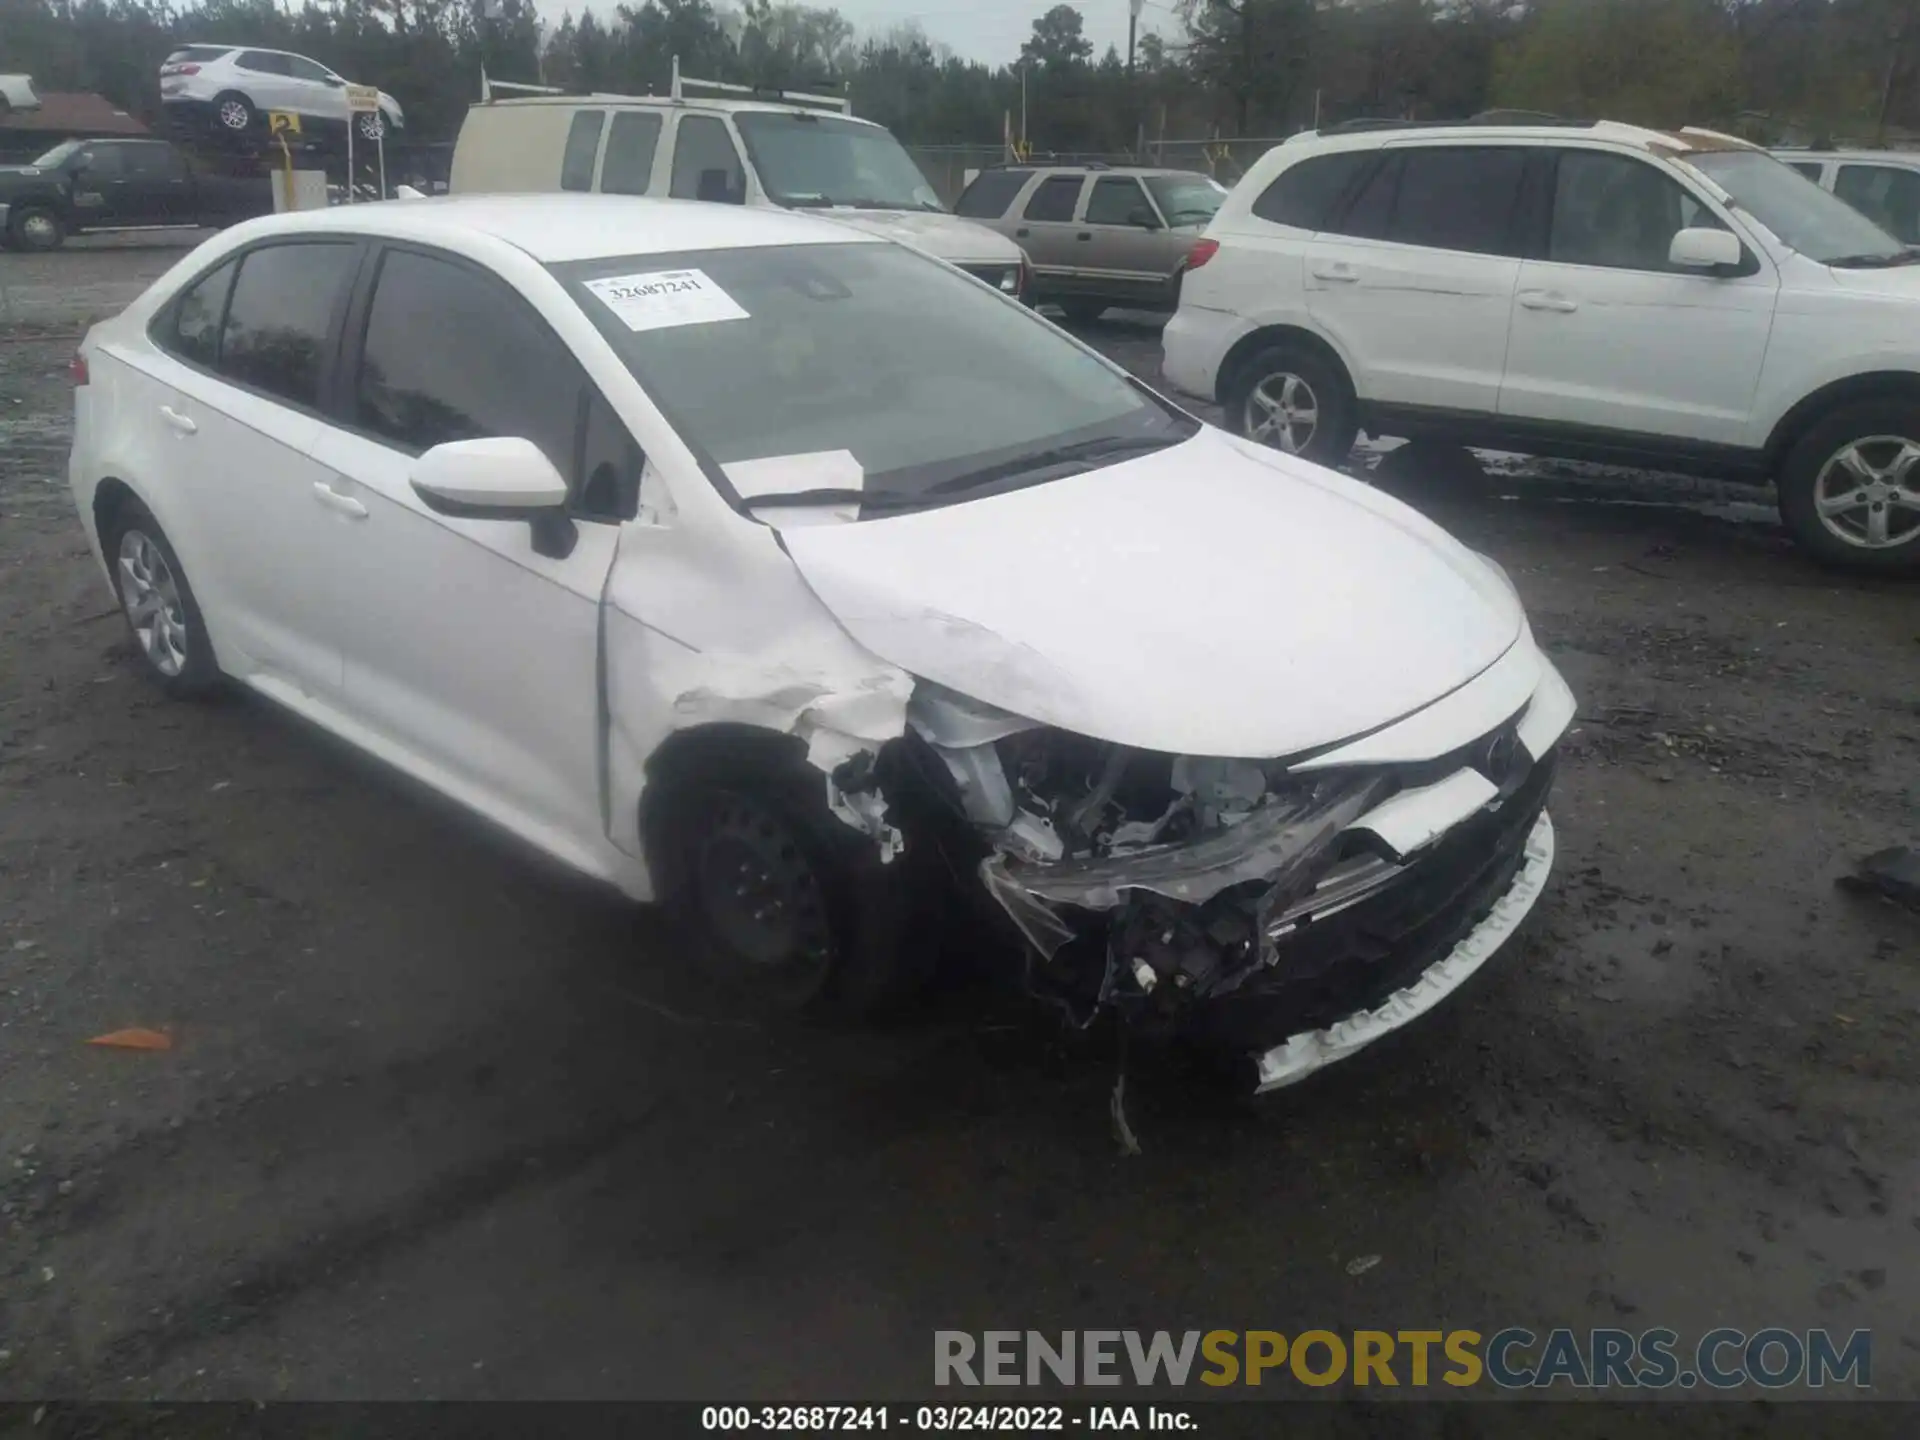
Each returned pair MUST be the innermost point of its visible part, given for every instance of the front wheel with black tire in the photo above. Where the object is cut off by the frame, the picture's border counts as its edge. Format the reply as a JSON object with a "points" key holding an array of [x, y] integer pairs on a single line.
{"points": [[1850, 487], [786, 905], [34, 227], [1292, 399], [168, 630]]}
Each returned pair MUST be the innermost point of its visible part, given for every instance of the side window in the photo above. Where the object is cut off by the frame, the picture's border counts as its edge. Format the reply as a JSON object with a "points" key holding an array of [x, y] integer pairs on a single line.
{"points": [[706, 166], [1372, 209], [1887, 195], [628, 166], [106, 162], [193, 329], [278, 321], [1459, 198], [302, 68], [1809, 168], [1055, 198], [1304, 195], [583, 142], [151, 162], [1616, 211], [990, 193], [454, 354], [1116, 200], [264, 62]]}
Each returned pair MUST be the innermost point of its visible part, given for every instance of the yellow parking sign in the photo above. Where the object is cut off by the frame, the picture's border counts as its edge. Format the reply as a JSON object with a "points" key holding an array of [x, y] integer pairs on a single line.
{"points": [[282, 122]]}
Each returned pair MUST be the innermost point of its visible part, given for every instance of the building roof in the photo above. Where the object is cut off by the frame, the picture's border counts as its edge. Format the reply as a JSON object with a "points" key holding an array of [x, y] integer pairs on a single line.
{"points": [[76, 113], [556, 228]]}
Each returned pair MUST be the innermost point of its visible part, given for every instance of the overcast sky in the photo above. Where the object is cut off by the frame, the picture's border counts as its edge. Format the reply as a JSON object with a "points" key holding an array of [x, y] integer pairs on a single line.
{"points": [[992, 30], [989, 30]]}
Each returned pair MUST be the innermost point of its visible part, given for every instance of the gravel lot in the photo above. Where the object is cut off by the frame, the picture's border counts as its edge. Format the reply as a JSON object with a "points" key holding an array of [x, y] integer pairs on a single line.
{"points": [[439, 1122]]}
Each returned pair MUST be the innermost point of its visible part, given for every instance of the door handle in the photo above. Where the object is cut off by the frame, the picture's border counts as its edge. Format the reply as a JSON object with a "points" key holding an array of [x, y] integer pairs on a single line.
{"points": [[1022, 233], [334, 500], [1342, 274], [183, 423], [1084, 235], [1548, 300]]}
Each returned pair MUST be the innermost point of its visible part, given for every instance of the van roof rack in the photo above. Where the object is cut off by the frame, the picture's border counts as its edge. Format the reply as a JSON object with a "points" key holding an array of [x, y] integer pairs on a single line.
{"points": [[758, 92]]}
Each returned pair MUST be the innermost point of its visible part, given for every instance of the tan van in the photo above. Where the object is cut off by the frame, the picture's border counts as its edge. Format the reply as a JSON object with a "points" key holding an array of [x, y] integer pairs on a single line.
{"points": [[796, 151]]}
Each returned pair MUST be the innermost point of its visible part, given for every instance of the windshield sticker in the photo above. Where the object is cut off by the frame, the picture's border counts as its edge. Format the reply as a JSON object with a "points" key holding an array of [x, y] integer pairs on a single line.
{"points": [[664, 298]]}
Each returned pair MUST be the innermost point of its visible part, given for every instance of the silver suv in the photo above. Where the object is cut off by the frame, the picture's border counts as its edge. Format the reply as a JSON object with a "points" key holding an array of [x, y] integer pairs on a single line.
{"points": [[1096, 235]]}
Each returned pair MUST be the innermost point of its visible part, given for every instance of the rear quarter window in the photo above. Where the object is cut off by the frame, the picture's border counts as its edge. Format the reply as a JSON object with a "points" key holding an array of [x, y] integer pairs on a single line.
{"points": [[1304, 195]]}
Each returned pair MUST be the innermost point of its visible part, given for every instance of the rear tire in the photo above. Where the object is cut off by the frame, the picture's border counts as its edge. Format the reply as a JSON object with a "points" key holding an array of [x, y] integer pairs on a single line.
{"points": [[1850, 487], [1292, 399], [169, 633], [786, 905]]}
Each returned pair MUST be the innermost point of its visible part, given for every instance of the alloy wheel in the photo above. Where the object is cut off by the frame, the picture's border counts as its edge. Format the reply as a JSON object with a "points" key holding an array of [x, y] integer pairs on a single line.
{"points": [[38, 229], [1868, 493], [151, 597], [234, 115], [1282, 411]]}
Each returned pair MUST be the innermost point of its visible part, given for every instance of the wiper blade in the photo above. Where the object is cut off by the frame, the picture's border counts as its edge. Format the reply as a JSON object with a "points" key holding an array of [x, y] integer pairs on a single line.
{"points": [[824, 495], [1874, 261], [1108, 447]]}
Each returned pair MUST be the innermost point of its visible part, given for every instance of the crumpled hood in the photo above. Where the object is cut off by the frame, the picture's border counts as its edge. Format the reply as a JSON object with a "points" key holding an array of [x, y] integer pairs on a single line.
{"points": [[957, 241], [1211, 599]]}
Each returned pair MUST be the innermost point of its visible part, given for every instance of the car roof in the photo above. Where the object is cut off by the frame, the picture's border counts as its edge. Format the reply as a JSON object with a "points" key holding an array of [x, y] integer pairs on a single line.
{"points": [[1098, 169], [558, 228], [601, 101], [1680, 142], [1886, 157]]}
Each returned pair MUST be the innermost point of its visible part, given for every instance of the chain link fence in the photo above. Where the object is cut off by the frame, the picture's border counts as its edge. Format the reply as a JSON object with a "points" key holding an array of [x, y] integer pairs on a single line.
{"points": [[948, 168]]}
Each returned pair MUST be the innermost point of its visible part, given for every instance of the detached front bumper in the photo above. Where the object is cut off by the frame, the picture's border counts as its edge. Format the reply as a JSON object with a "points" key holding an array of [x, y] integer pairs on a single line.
{"points": [[1328, 917], [1302, 1054]]}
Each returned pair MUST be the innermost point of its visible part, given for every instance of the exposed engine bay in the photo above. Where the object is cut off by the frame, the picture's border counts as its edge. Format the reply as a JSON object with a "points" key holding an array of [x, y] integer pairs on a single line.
{"points": [[1141, 879]]}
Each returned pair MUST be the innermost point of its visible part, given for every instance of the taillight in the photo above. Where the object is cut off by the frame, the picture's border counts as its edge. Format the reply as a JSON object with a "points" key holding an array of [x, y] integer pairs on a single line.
{"points": [[187, 70], [77, 368], [1202, 252]]}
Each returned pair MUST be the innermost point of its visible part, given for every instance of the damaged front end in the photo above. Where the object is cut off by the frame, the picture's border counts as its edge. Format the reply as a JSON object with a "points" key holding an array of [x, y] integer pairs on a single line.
{"points": [[1282, 915]]}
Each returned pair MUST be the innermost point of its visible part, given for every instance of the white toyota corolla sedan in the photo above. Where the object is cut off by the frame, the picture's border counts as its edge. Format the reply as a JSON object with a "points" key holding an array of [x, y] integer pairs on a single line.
{"points": [[800, 581]]}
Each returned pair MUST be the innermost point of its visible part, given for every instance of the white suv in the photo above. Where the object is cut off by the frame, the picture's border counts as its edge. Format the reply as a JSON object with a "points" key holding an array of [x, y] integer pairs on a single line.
{"points": [[234, 89], [1597, 291]]}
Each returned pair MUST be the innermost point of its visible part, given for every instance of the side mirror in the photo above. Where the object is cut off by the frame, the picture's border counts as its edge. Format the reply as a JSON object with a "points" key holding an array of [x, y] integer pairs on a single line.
{"points": [[505, 478], [1144, 218], [1702, 249]]}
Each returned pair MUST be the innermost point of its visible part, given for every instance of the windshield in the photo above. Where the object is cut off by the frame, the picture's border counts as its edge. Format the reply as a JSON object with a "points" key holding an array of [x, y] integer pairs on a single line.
{"points": [[57, 154], [806, 159], [1186, 199], [1799, 213], [928, 388]]}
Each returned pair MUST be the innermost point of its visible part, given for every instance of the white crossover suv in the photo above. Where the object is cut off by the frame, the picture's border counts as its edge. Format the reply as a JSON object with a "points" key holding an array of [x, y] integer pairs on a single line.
{"points": [[1592, 291], [233, 88], [747, 561]]}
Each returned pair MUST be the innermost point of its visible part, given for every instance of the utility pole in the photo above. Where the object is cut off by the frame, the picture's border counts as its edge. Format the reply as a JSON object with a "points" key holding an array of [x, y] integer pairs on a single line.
{"points": [[1899, 43], [1133, 28], [1133, 94]]}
